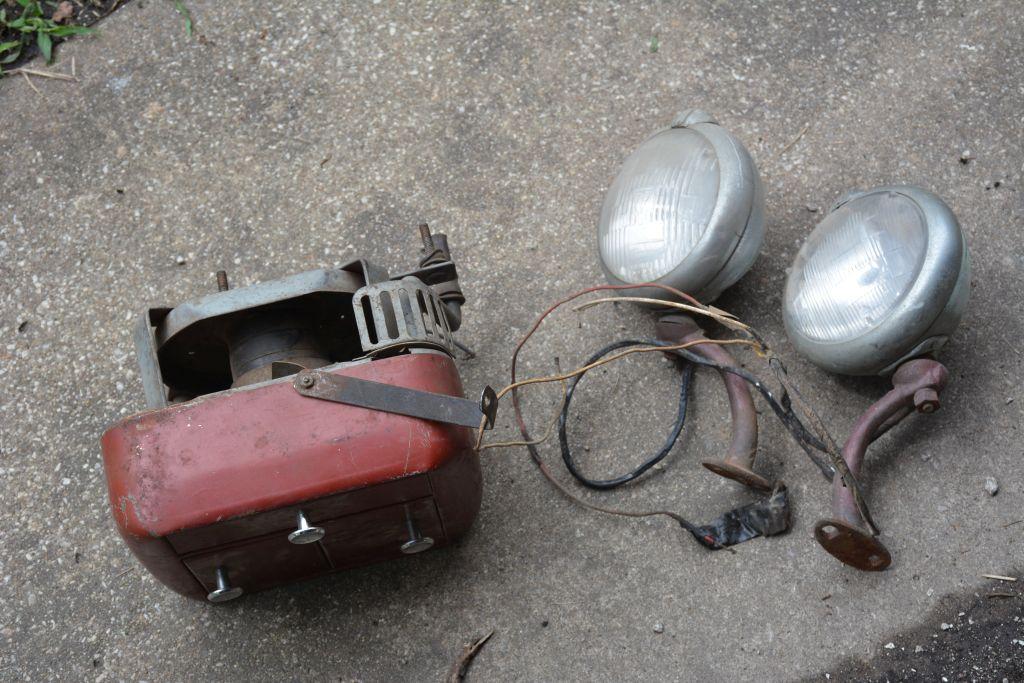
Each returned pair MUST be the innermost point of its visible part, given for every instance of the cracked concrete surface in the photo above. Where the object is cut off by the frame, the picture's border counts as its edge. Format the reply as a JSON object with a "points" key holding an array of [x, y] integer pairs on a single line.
{"points": [[286, 136]]}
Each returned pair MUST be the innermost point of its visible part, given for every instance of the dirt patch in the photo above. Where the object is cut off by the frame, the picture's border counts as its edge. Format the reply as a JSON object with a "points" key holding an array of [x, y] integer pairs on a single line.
{"points": [[979, 637], [71, 13]]}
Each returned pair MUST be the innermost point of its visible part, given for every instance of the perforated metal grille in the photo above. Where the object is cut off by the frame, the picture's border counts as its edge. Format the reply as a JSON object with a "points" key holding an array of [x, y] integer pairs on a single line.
{"points": [[400, 313]]}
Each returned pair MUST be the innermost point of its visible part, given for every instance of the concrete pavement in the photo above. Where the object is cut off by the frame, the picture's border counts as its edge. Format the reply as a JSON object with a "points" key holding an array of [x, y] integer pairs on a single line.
{"points": [[287, 136]]}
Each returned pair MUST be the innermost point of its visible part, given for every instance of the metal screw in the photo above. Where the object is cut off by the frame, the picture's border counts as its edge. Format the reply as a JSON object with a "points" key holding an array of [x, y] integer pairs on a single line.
{"points": [[307, 381], [222, 281]]}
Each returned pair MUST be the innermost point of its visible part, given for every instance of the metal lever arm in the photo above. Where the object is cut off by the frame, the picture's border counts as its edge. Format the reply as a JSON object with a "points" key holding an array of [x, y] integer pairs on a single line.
{"points": [[389, 398]]}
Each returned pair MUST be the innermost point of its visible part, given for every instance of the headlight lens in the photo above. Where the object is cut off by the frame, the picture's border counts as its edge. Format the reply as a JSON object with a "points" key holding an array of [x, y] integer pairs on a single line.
{"points": [[883, 278], [685, 210], [856, 267], [659, 205]]}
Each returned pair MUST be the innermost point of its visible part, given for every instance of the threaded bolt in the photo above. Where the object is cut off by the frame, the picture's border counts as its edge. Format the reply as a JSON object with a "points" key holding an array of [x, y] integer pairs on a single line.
{"points": [[222, 281], [428, 240]]}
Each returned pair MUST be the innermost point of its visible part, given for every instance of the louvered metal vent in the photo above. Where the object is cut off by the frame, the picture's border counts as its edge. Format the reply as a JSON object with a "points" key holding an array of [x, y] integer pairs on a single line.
{"points": [[400, 313]]}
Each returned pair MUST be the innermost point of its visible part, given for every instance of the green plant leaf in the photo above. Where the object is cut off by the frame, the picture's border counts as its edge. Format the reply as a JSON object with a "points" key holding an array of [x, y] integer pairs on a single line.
{"points": [[183, 11], [7, 59], [4, 47], [62, 31], [45, 46]]}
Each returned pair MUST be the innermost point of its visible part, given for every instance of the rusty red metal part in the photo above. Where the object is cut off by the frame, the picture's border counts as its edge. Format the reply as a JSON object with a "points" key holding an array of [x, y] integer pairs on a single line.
{"points": [[916, 387], [738, 463], [216, 484]]}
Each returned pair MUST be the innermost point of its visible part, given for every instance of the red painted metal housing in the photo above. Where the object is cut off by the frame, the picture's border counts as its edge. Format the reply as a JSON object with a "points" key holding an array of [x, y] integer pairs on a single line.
{"points": [[218, 481]]}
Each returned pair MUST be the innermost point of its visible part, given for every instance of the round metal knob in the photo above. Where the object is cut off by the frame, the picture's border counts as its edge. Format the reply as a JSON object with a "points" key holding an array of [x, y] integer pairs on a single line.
{"points": [[417, 542], [417, 545], [305, 533], [224, 591]]}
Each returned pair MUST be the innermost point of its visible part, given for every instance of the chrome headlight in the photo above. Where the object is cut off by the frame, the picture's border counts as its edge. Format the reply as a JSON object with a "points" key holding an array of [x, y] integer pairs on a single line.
{"points": [[686, 210], [883, 278]]}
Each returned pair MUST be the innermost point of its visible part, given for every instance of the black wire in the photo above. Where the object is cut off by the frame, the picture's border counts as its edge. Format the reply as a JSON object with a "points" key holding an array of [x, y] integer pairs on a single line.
{"points": [[673, 436], [781, 406]]}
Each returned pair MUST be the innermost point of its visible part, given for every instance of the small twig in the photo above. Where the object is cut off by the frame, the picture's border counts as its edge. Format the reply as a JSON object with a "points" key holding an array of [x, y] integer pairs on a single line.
{"points": [[795, 140], [997, 577], [460, 666], [30, 84], [42, 74], [124, 572], [1002, 595], [74, 73], [1007, 526]]}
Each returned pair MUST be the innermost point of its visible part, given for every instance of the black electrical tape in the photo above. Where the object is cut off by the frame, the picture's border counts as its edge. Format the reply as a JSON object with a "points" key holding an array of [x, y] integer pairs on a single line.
{"points": [[766, 517], [673, 436]]}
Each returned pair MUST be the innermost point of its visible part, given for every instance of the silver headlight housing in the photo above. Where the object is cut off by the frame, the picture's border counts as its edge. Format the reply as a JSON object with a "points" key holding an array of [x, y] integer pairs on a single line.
{"points": [[884, 277], [686, 210]]}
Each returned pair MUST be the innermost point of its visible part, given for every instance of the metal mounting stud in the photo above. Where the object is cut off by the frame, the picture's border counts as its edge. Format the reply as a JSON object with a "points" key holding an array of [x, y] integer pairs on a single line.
{"points": [[224, 591], [305, 533], [417, 542]]}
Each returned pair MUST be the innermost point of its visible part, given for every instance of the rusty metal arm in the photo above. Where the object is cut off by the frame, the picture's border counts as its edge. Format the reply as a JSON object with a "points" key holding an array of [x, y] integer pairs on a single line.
{"points": [[916, 386], [738, 463]]}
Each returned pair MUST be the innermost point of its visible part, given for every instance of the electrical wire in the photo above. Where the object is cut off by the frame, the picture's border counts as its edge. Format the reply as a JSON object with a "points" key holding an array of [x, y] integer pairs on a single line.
{"points": [[561, 377], [531, 448], [670, 441], [781, 406], [821, 440], [547, 432], [816, 438]]}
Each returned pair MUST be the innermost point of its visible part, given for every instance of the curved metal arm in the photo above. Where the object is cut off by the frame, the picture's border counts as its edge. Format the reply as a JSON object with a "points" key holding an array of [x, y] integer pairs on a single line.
{"points": [[916, 386], [738, 464]]}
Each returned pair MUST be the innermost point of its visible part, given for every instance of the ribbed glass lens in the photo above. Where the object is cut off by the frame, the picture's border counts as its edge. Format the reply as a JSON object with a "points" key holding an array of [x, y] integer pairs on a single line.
{"points": [[659, 206], [856, 267]]}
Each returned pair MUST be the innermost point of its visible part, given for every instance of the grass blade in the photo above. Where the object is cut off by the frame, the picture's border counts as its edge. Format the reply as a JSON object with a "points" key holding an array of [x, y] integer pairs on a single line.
{"points": [[45, 45], [183, 11]]}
